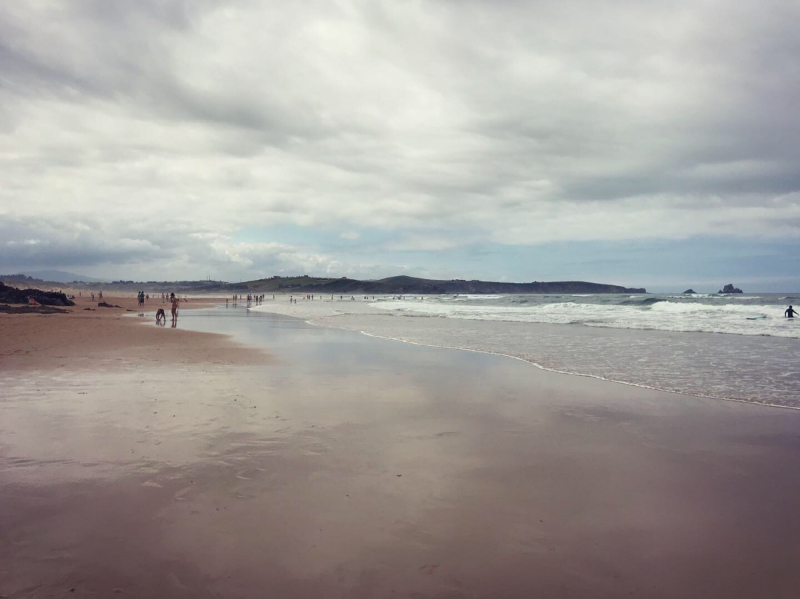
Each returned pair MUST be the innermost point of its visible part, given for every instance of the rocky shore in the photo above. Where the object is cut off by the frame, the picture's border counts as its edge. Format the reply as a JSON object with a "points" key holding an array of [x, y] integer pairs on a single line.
{"points": [[12, 295]]}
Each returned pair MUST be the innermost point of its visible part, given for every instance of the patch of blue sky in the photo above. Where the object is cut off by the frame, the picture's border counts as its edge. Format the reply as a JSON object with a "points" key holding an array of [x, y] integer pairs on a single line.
{"points": [[705, 264], [702, 263]]}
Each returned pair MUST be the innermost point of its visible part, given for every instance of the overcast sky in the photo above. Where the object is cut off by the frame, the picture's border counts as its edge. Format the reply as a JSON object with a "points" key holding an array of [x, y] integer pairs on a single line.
{"points": [[642, 142]]}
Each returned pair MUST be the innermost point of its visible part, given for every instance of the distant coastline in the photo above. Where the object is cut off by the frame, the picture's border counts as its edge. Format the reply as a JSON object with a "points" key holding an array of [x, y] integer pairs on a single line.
{"points": [[328, 285]]}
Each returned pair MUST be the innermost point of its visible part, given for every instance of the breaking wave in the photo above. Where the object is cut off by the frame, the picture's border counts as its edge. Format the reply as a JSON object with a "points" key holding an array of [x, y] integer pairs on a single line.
{"points": [[652, 313]]}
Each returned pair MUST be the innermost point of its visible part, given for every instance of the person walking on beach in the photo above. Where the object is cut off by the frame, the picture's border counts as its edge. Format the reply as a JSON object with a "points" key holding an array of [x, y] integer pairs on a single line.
{"points": [[790, 312], [174, 301]]}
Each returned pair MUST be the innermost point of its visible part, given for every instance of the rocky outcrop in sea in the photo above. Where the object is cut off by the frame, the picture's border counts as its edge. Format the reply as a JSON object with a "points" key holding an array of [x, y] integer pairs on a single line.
{"points": [[729, 288]]}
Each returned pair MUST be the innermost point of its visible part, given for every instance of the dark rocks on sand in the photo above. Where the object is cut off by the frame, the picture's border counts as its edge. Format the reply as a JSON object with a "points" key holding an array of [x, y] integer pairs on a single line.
{"points": [[692, 291], [729, 288], [107, 305], [12, 295]]}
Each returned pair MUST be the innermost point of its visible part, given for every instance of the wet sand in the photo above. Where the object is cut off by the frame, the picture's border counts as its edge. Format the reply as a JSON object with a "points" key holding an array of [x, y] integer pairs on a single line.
{"points": [[358, 467]]}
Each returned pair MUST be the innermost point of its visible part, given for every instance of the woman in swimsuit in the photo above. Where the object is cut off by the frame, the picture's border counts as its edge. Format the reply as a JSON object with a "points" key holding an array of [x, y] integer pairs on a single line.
{"points": [[174, 301]]}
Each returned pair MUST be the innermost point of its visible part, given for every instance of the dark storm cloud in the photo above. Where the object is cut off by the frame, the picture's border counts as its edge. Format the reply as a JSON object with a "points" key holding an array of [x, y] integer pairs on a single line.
{"points": [[168, 126]]}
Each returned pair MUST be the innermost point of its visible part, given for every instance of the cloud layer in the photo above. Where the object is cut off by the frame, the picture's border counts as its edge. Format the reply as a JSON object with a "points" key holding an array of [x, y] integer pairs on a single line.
{"points": [[135, 134]]}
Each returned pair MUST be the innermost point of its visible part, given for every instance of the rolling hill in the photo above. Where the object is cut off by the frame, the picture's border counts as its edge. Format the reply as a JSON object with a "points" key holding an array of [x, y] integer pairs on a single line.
{"points": [[405, 284]]}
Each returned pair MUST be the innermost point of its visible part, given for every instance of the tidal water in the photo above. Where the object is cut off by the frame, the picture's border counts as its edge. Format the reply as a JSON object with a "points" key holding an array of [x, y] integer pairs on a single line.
{"points": [[734, 347]]}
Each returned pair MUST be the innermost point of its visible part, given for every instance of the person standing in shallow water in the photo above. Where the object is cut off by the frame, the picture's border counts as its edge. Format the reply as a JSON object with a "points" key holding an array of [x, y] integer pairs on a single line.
{"points": [[790, 312], [174, 301]]}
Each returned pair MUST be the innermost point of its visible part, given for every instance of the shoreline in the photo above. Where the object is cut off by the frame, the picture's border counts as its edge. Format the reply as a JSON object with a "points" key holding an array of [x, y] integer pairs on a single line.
{"points": [[568, 373], [477, 335], [366, 468]]}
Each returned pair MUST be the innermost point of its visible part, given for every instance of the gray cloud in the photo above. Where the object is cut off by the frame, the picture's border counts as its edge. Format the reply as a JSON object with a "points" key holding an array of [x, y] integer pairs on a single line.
{"points": [[149, 250], [167, 127], [61, 242]]}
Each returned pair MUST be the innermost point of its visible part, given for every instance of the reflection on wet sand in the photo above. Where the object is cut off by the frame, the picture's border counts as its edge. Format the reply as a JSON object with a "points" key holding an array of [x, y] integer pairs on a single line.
{"points": [[355, 467]]}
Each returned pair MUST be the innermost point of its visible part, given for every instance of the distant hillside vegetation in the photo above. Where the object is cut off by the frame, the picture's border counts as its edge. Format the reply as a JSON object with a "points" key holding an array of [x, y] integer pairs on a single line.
{"points": [[50, 276], [405, 285], [340, 286]]}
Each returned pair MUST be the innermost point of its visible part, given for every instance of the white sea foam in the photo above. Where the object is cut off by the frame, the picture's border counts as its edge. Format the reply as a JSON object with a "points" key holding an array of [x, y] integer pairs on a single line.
{"points": [[662, 315], [470, 297]]}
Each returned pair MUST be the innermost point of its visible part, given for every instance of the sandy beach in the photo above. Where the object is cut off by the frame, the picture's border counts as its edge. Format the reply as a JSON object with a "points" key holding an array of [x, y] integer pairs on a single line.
{"points": [[249, 454], [524, 300], [90, 337]]}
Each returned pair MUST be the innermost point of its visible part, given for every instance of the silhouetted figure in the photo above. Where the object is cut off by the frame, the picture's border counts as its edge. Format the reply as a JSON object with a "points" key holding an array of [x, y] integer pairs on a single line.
{"points": [[790, 312]]}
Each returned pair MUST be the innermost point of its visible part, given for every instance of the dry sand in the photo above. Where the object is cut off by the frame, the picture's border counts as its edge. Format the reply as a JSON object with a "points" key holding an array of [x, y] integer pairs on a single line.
{"points": [[365, 468], [100, 337]]}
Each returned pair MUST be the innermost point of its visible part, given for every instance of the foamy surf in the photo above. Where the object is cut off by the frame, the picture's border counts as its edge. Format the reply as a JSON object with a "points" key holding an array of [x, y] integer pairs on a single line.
{"points": [[649, 313]]}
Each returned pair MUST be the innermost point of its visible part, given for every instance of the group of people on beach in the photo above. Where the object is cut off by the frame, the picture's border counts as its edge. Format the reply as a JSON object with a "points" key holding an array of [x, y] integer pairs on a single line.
{"points": [[250, 297], [141, 297]]}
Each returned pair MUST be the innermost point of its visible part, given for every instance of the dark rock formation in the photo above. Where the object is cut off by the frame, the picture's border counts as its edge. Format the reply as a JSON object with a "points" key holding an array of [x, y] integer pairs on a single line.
{"points": [[107, 305], [729, 288], [692, 291], [12, 295]]}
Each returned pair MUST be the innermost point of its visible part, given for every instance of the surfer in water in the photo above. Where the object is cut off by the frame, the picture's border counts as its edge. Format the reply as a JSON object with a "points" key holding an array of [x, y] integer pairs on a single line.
{"points": [[790, 312]]}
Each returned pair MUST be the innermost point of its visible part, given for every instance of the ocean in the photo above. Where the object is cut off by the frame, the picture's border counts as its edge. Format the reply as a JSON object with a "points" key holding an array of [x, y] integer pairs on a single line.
{"points": [[738, 314], [733, 347]]}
